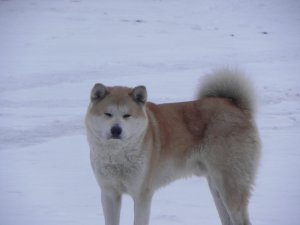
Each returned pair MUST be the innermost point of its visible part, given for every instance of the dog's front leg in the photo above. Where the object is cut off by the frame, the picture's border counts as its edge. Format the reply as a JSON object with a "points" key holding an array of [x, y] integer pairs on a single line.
{"points": [[142, 208], [111, 204]]}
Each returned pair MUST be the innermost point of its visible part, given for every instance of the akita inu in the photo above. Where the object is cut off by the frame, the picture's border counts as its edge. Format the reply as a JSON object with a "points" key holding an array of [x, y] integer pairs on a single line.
{"points": [[138, 146]]}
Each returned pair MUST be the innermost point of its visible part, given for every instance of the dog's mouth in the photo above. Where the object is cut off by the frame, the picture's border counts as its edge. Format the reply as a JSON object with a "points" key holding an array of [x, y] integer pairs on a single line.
{"points": [[116, 138]]}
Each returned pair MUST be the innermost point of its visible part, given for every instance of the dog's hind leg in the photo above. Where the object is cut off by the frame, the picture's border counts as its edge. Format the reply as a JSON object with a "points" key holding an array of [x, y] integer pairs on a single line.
{"points": [[234, 197], [224, 216]]}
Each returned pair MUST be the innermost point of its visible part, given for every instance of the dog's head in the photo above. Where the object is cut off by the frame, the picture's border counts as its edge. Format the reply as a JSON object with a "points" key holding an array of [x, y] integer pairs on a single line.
{"points": [[117, 113]]}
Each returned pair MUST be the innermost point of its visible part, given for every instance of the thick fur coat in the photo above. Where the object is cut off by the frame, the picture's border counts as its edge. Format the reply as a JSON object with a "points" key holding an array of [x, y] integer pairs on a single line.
{"points": [[138, 146]]}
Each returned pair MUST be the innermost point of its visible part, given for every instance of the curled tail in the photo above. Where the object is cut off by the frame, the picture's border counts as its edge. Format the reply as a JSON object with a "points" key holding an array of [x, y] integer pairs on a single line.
{"points": [[230, 84]]}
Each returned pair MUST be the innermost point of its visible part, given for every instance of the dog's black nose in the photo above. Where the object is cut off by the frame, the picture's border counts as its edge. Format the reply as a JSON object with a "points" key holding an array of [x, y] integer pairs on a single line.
{"points": [[116, 132]]}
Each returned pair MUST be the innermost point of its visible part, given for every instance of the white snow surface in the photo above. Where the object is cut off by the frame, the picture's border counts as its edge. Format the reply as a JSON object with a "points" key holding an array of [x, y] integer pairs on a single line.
{"points": [[53, 51]]}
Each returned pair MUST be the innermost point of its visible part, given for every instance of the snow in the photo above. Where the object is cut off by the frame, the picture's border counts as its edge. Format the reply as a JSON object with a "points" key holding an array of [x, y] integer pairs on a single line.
{"points": [[51, 54]]}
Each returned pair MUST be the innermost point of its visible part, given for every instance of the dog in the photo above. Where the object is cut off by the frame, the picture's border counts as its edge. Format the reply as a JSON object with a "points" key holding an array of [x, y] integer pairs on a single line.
{"points": [[137, 146]]}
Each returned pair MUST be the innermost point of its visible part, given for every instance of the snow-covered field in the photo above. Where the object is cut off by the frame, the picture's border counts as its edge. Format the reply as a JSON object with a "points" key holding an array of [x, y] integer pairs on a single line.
{"points": [[53, 51]]}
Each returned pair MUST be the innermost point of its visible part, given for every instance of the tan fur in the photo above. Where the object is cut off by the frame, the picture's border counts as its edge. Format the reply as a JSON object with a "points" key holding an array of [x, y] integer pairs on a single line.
{"points": [[212, 137]]}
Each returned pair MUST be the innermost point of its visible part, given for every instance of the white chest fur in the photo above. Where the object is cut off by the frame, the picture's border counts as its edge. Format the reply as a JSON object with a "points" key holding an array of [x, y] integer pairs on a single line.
{"points": [[121, 168]]}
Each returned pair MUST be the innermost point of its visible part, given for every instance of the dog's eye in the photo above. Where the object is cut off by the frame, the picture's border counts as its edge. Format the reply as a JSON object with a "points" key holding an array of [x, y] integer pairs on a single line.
{"points": [[126, 116], [108, 114]]}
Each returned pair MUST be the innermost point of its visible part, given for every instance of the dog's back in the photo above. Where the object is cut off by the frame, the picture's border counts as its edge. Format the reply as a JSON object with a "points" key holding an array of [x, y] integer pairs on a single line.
{"points": [[214, 136]]}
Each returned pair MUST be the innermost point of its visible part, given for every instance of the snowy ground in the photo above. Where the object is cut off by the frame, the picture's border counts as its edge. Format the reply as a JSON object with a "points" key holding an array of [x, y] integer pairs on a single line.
{"points": [[52, 52]]}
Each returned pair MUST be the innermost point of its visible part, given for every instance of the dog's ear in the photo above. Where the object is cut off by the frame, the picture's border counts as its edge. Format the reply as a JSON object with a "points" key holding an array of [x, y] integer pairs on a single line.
{"points": [[139, 94], [98, 92]]}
